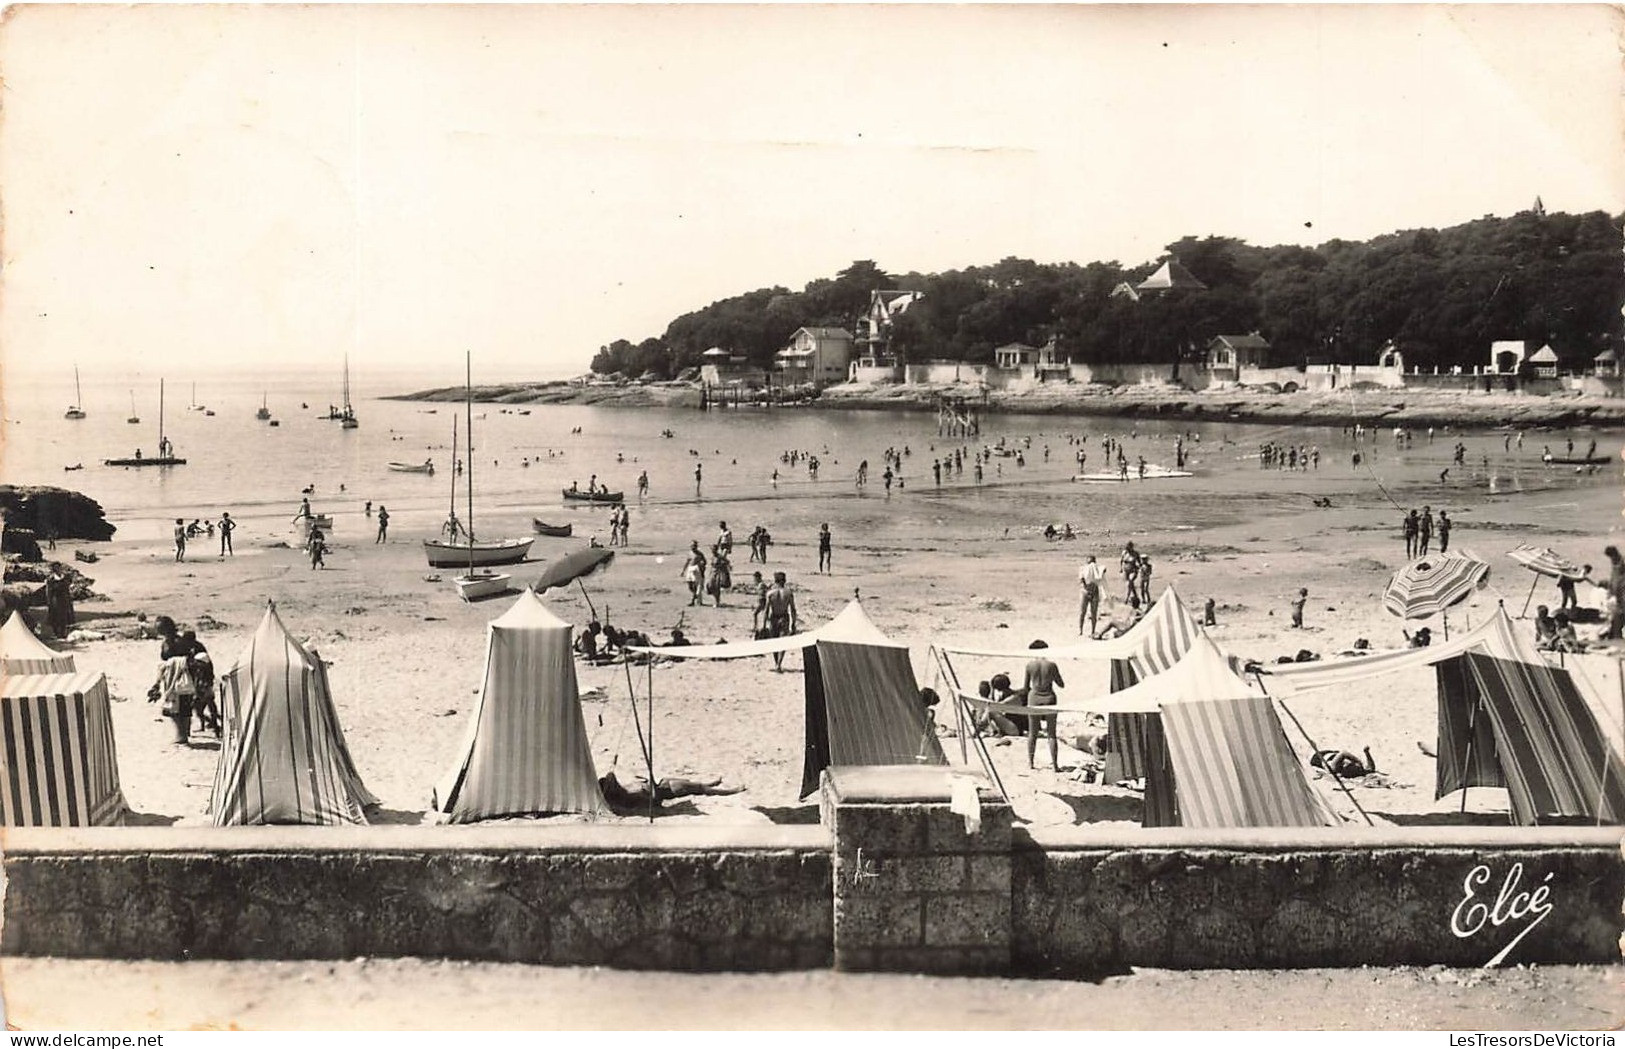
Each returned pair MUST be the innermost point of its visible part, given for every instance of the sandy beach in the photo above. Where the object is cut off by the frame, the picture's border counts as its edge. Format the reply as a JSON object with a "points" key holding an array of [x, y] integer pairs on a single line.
{"points": [[956, 564]]}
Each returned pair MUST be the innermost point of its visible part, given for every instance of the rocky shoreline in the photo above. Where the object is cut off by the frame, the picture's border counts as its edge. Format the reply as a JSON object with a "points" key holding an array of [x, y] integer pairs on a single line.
{"points": [[1404, 407]]}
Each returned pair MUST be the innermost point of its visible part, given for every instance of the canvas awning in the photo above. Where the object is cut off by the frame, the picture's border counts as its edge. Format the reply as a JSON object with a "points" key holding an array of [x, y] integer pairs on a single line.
{"points": [[1234, 768], [851, 625], [1156, 640], [1495, 636]]}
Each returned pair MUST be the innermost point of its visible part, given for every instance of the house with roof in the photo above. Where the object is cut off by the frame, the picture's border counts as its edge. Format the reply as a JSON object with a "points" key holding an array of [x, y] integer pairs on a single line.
{"points": [[1170, 276], [1543, 362], [1507, 356], [720, 367], [1227, 355], [816, 355], [1015, 355], [1605, 365]]}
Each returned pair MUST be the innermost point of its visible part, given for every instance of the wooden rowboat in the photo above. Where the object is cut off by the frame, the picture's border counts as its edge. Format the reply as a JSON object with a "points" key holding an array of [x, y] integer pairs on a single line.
{"points": [[578, 496], [425, 467], [471, 586], [557, 531]]}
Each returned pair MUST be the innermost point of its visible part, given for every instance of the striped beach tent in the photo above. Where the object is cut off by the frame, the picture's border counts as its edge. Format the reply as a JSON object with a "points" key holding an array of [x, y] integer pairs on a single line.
{"points": [[282, 756], [526, 750], [1234, 768], [23, 653], [1160, 639], [862, 699], [58, 764]]}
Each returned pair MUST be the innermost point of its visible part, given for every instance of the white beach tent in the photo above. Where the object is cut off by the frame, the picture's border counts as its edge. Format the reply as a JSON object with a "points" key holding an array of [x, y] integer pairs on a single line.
{"points": [[862, 699], [282, 757], [526, 750], [58, 764], [23, 653]]}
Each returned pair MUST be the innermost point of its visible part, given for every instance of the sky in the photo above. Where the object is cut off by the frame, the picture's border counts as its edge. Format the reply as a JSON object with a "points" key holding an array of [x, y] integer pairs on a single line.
{"points": [[259, 188]]}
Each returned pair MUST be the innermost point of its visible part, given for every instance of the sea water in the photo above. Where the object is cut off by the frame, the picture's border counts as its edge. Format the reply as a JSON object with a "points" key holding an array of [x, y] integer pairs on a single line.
{"points": [[238, 463]]}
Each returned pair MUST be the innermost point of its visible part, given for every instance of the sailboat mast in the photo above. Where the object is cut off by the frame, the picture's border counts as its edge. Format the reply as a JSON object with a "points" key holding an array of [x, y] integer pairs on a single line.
{"points": [[78, 394], [453, 472], [160, 416]]}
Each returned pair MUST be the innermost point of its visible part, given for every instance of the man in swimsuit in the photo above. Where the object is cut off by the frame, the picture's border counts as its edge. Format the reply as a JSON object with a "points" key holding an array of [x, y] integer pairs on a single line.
{"points": [[1090, 576], [780, 605]]}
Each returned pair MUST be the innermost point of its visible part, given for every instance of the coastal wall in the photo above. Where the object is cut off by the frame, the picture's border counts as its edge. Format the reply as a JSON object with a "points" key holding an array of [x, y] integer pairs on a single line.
{"points": [[633, 897], [902, 887], [1086, 902]]}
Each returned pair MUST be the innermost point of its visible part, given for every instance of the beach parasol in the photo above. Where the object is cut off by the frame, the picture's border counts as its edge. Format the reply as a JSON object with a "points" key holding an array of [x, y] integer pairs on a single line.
{"points": [[572, 568], [1428, 586], [1543, 561]]}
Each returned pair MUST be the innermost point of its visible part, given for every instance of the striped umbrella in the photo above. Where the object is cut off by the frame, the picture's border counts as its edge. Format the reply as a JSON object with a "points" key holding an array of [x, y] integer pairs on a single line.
{"points": [[1543, 561], [1430, 585]]}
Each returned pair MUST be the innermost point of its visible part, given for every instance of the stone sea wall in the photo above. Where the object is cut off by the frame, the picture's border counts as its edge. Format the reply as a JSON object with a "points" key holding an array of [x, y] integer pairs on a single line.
{"points": [[901, 887]]}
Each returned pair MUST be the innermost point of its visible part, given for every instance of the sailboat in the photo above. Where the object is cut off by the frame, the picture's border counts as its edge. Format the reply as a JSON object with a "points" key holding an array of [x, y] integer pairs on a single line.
{"points": [[345, 416], [134, 418], [461, 549], [74, 410], [265, 410], [166, 454], [194, 406]]}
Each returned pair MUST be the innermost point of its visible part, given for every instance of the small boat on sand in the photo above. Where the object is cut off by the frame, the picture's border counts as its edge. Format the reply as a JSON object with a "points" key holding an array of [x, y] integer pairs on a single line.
{"points": [[557, 531], [574, 495], [425, 467], [1579, 460], [479, 582]]}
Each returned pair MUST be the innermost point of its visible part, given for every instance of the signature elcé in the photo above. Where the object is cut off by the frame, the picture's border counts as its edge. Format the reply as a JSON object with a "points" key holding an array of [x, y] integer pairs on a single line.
{"points": [[1510, 905]]}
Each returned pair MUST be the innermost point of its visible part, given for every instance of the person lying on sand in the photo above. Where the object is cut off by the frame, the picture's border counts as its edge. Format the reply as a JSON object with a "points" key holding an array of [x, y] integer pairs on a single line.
{"points": [[1344, 765], [636, 795]]}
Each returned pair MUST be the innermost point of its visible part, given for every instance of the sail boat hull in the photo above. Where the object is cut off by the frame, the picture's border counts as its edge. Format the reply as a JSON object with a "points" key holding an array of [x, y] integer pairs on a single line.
{"points": [[167, 460], [483, 554], [477, 584]]}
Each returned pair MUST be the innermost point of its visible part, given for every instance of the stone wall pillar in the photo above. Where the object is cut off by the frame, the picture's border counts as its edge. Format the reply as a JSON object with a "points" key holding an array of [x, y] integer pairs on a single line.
{"points": [[914, 890]]}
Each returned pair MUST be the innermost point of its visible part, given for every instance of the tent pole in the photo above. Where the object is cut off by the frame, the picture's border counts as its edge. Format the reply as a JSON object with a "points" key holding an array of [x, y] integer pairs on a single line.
{"points": [[944, 670], [651, 743], [1530, 597], [1314, 748], [1467, 751], [976, 733], [584, 594]]}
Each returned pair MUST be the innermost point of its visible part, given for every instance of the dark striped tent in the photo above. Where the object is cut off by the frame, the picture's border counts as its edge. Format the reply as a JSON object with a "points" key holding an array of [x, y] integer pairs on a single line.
{"points": [[58, 764], [862, 699], [282, 756]]}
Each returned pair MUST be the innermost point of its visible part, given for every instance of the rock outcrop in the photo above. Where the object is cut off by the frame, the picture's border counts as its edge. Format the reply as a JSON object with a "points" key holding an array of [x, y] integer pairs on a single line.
{"points": [[44, 511]]}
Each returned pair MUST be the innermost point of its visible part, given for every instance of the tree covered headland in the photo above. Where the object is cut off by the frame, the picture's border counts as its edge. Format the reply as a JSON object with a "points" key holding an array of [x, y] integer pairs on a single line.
{"points": [[1441, 295]]}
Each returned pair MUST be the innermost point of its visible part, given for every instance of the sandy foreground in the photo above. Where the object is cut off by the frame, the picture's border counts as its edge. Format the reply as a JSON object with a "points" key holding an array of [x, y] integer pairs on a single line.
{"points": [[407, 654]]}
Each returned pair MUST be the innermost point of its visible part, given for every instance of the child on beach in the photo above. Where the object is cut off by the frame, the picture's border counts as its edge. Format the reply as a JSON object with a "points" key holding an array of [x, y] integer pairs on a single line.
{"points": [[1297, 606]]}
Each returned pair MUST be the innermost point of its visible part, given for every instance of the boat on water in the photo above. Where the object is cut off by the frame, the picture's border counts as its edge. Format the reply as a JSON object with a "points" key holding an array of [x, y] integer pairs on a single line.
{"points": [[166, 453], [75, 466], [134, 418], [194, 406], [344, 414], [74, 410], [425, 467], [575, 495], [1578, 460], [265, 409], [460, 547], [1152, 473], [556, 531]]}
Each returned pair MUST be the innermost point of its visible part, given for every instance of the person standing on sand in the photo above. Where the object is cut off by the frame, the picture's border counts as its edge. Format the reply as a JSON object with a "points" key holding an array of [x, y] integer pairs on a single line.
{"points": [[59, 601], [1410, 534], [699, 471], [825, 542], [1616, 592], [1424, 531], [1130, 563], [383, 523], [694, 574], [1444, 532], [758, 589], [318, 549], [1042, 679], [1090, 576], [227, 526], [643, 484], [1145, 579], [180, 539], [1297, 607], [779, 604]]}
